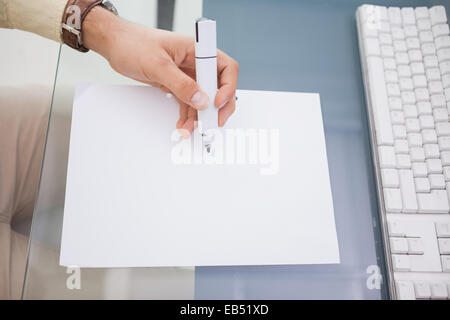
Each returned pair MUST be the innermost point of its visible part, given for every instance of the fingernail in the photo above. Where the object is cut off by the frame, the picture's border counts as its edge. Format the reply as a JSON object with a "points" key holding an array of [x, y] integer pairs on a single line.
{"points": [[226, 101], [200, 100]]}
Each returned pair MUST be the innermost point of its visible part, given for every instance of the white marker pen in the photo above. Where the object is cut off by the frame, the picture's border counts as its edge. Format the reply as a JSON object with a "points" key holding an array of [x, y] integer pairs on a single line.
{"points": [[206, 72]]}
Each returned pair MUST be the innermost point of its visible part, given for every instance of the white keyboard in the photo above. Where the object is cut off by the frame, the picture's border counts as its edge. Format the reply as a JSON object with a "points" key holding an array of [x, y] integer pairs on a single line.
{"points": [[405, 54]]}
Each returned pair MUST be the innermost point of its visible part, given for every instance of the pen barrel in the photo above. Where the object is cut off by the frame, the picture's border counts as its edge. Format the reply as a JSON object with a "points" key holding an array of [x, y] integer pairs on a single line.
{"points": [[206, 72]]}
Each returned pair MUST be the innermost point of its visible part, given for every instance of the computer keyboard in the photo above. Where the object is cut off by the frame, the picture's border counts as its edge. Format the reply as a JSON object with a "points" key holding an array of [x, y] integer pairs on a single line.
{"points": [[405, 55]]}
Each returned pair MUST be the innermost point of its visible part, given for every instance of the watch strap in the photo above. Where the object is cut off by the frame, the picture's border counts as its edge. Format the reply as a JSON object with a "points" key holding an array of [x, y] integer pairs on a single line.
{"points": [[74, 14]]}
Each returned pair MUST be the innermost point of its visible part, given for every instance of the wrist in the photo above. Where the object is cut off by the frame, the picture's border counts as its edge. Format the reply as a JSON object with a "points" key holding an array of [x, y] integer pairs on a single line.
{"points": [[98, 30]]}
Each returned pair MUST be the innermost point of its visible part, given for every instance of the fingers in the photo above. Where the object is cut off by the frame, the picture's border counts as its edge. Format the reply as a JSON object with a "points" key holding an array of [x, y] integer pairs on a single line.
{"points": [[186, 123], [191, 119], [182, 86], [226, 111], [228, 77]]}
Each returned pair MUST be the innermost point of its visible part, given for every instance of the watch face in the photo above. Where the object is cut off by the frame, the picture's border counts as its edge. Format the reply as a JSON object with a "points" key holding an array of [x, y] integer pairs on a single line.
{"points": [[108, 5]]}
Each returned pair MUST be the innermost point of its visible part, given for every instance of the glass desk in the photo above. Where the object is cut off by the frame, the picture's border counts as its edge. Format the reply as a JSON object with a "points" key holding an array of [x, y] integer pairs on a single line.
{"points": [[289, 45]]}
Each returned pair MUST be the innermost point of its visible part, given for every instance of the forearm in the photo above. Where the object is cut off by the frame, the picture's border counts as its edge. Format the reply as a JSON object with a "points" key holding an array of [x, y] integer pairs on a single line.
{"points": [[42, 17], [100, 27]]}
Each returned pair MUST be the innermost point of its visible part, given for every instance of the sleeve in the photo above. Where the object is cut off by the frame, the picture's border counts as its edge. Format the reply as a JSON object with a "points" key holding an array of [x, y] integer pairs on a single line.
{"points": [[42, 17]]}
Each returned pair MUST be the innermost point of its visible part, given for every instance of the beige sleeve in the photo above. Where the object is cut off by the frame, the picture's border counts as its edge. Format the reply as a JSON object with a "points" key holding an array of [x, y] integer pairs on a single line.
{"points": [[42, 17]]}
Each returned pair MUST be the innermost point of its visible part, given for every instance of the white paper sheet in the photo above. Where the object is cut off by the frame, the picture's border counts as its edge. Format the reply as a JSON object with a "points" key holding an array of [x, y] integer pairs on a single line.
{"points": [[128, 204]]}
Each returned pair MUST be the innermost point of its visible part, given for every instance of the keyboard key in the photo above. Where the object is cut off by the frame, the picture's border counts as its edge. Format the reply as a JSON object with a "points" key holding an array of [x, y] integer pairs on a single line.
{"points": [[401, 262], [424, 107], [379, 101], [387, 157], [403, 161], [390, 64], [438, 100], [445, 158], [410, 111], [437, 181], [443, 129], [389, 178], [412, 125], [415, 55], [405, 290], [415, 139], [400, 46], [408, 191], [409, 17], [439, 291], [406, 84], [393, 89], [395, 16], [420, 169], [440, 30], [426, 122], [385, 38], [428, 49], [422, 94], [440, 115], [435, 87], [420, 81], [369, 30], [397, 117], [387, 51], [392, 76], [429, 136], [422, 185], [399, 131], [434, 202], [445, 260], [417, 154], [412, 43], [397, 229], [431, 151], [369, 13], [421, 13], [442, 229], [446, 80], [443, 55], [415, 246], [402, 58], [433, 74], [422, 290], [411, 31], [446, 174], [444, 245], [444, 143], [392, 200], [418, 67], [426, 36], [434, 166], [399, 34], [401, 146], [437, 15], [423, 25], [399, 245], [431, 61], [442, 42], [405, 70], [444, 66]]}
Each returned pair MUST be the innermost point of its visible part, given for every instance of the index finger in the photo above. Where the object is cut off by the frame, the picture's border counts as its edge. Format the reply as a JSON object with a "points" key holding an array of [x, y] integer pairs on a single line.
{"points": [[228, 70]]}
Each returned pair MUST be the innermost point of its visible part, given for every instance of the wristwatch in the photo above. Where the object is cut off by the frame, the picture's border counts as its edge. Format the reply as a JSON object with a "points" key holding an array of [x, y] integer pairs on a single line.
{"points": [[74, 14]]}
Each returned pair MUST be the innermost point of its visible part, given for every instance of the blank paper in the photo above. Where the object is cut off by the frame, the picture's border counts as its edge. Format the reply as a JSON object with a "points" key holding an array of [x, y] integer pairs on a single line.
{"points": [[128, 204]]}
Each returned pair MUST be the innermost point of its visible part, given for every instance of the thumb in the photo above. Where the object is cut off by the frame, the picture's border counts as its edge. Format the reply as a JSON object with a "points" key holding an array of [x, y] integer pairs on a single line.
{"points": [[184, 87]]}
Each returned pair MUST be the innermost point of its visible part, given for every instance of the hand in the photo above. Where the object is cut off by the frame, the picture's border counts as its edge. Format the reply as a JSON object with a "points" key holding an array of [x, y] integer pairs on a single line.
{"points": [[163, 59]]}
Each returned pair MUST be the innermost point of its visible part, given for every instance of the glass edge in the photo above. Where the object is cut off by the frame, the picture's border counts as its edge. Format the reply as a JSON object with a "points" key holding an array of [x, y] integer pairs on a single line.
{"points": [[24, 285]]}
